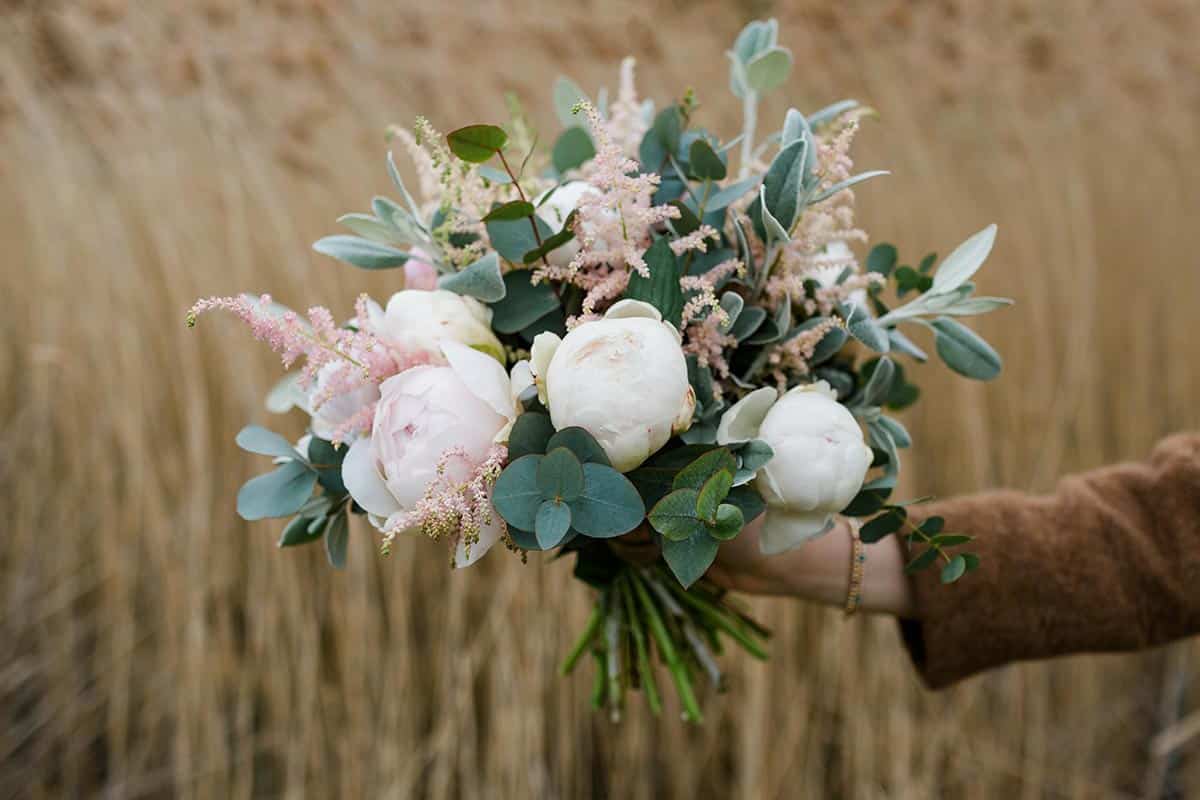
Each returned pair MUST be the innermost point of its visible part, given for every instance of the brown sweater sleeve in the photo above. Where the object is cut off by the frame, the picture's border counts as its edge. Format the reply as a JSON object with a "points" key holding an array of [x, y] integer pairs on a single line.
{"points": [[1110, 561]]}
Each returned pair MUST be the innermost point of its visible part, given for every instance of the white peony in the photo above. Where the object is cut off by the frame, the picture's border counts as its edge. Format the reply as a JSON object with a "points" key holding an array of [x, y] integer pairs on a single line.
{"points": [[622, 378], [418, 319], [819, 464], [469, 404], [555, 210]]}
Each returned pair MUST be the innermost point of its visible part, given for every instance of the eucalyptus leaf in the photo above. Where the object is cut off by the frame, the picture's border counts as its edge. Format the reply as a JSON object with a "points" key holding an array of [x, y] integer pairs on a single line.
{"points": [[531, 433], [560, 475], [661, 289], [572, 149], [954, 569], [337, 537], [690, 558], [712, 493], [755, 454], [516, 495], [512, 210], [496, 176], [694, 475], [728, 194], [512, 239], [481, 279], [524, 302], [882, 259], [609, 505], [581, 443], [279, 493], [704, 162], [476, 143], [675, 516], [297, 532], [257, 439], [552, 523], [729, 522]]}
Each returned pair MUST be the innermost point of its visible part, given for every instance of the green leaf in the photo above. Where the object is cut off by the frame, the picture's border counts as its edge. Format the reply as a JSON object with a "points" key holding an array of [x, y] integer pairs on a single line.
{"points": [[755, 454], [513, 238], [516, 495], [795, 128], [781, 187], [337, 536], [476, 143], [825, 194], [732, 304], [748, 501], [830, 345], [712, 493], [609, 505], [866, 502], [554, 242], [879, 386], [567, 95], [480, 279], [327, 461], [951, 539], [279, 493], [361, 253], [297, 531], [675, 515], [964, 351], [661, 140], [661, 289], [573, 149], [923, 561], [694, 475], [974, 306], [729, 522], [883, 525], [530, 434], [863, 328], [964, 262], [690, 558], [882, 259], [704, 162], [496, 176], [581, 443], [513, 209], [954, 569], [523, 303], [257, 439], [552, 523], [769, 69], [730, 193], [756, 37], [748, 322], [932, 526], [831, 112], [560, 475], [371, 228], [971, 560]]}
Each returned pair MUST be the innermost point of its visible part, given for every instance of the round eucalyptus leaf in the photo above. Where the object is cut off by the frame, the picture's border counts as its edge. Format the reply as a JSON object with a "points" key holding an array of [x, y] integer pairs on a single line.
{"points": [[560, 475], [257, 439], [279, 493], [675, 515], [609, 505], [516, 496], [581, 443], [690, 558], [530, 434], [552, 523], [729, 522]]}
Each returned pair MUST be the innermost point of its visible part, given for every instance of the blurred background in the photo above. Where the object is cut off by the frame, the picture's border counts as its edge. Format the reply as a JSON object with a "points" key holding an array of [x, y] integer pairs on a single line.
{"points": [[155, 645]]}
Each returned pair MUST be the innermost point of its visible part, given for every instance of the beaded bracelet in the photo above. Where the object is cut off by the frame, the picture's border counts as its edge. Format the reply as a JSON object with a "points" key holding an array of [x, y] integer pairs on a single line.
{"points": [[858, 557]]}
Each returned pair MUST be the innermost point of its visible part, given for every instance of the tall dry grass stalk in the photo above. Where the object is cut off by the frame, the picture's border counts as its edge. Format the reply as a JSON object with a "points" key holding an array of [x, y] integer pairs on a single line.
{"points": [[155, 645]]}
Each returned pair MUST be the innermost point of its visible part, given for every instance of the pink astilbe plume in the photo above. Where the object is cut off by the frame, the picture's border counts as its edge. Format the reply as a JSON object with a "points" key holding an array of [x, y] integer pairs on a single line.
{"points": [[792, 357], [613, 223], [337, 360], [627, 124], [453, 509]]}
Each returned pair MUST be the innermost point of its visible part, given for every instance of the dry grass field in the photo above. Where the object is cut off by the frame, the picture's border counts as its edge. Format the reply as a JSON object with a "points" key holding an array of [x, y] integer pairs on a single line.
{"points": [[154, 645]]}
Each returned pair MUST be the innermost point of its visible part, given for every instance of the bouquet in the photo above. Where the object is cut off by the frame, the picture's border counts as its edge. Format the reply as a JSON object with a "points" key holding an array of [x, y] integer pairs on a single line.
{"points": [[644, 327]]}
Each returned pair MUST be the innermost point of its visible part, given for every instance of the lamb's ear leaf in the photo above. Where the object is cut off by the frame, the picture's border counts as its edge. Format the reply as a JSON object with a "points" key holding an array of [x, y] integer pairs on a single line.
{"points": [[609, 504], [964, 351], [690, 558], [362, 253], [480, 279]]}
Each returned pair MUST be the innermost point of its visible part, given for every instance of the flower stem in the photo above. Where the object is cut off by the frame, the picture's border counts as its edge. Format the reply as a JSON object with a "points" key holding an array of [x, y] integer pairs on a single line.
{"points": [[645, 670], [666, 647], [585, 638]]}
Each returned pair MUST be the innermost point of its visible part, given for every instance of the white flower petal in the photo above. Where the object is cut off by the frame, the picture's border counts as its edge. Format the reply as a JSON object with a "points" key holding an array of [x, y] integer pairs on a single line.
{"points": [[740, 423], [488, 536], [545, 345], [363, 481], [786, 530], [520, 379], [483, 375], [625, 309]]}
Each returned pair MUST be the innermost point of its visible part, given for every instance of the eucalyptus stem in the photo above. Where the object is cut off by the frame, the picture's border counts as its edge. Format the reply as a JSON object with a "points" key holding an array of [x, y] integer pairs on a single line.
{"points": [[589, 631], [749, 123], [645, 669], [598, 682], [666, 648], [612, 640], [537, 236], [926, 539], [720, 620]]}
